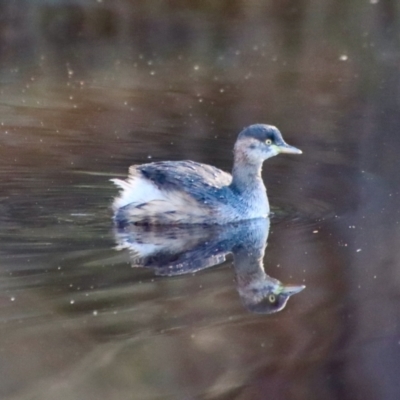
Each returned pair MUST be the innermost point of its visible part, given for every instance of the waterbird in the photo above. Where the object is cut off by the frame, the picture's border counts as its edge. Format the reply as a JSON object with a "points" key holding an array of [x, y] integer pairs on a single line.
{"points": [[188, 192]]}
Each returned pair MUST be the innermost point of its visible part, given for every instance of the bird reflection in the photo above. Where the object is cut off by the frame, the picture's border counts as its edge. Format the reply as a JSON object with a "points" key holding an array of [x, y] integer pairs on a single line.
{"points": [[177, 250]]}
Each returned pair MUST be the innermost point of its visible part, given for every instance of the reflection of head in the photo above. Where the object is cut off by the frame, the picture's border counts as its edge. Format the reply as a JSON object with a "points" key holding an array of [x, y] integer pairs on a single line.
{"points": [[267, 296]]}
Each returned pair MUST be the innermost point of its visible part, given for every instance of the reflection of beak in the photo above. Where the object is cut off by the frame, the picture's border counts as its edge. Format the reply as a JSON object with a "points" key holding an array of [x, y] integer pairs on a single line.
{"points": [[288, 290], [285, 148]]}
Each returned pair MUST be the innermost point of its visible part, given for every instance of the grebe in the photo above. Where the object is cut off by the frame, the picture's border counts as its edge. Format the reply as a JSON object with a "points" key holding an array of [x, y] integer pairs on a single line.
{"points": [[187, 192]]}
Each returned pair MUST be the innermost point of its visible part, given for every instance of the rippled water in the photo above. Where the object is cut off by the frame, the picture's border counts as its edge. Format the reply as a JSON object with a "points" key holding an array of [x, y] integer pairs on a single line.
{"points": [[80, 319]]}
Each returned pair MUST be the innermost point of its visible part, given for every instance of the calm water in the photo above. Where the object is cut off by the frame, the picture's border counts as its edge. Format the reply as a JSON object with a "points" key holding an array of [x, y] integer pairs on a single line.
{"points": [[86, 91]]}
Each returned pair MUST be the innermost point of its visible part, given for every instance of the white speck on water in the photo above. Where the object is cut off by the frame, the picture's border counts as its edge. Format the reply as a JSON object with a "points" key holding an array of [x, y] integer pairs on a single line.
{"points": [[374, 1], [152, 72], [12, 298], [358, 250], [315, 231], [95, 313], [72, 302], [343, 57], [374, 276], [149, 156], [196, 67]]}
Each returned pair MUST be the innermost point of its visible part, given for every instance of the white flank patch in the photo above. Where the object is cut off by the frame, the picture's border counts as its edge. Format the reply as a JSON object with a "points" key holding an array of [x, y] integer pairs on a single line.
{"points": [[136, 191], [140, 251], [157, 205]]}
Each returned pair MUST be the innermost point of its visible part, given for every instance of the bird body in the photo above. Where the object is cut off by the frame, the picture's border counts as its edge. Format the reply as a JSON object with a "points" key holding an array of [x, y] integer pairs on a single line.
{"points": [[187, 192]]}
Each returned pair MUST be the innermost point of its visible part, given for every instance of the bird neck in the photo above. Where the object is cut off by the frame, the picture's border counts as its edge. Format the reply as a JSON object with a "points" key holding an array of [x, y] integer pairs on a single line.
{"points": [[246, 175], [249, 267]]}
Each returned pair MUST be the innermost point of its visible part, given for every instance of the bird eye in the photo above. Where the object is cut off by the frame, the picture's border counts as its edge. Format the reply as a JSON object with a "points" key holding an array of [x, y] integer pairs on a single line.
{"points": [[268, 142], [271, 298]]}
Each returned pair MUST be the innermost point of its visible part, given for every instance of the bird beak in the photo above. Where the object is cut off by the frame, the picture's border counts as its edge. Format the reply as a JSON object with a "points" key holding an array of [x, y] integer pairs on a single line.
{"points": [[288, 290], [285, 148]]}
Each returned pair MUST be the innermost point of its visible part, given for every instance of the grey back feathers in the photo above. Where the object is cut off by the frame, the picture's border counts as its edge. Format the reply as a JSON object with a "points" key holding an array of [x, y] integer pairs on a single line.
{"points": [[174, 175]]}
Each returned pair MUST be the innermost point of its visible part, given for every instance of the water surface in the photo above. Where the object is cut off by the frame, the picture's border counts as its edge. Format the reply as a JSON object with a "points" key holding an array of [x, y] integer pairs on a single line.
{"points": [[77, 321]]}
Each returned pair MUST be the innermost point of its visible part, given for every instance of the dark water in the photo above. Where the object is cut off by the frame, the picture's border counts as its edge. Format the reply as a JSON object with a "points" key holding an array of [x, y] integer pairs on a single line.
{"points": [[86, 89]]}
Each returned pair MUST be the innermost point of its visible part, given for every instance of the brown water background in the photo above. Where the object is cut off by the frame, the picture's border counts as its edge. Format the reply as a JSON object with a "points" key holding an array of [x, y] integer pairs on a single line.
{"points": [[89, 87]]}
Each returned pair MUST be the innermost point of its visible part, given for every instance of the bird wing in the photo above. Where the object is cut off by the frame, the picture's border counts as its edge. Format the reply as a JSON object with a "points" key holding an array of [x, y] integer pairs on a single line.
{"points": [[194, 178], [171, 192]]}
